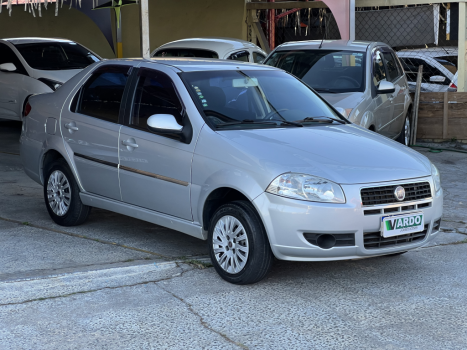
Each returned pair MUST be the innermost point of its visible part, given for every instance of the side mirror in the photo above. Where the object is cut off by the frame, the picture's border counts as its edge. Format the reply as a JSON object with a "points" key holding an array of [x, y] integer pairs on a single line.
{"points": [[7, 67], [164, 123], [437, 79], [385, 87]]}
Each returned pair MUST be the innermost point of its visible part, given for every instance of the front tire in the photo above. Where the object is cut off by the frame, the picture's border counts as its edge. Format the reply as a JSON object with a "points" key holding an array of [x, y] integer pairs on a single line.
{"points": [[238, 244], [404, 136], [61, 195]]}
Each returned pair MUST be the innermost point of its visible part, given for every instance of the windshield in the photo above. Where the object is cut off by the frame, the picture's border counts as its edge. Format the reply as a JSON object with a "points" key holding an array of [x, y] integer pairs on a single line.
{"points": [[56, 55], [324, 70], [256, 99]]}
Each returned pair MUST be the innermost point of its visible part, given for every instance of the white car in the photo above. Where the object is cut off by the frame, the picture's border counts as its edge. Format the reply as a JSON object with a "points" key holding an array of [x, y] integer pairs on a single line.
{"points": [[31, 66], [223, 48], [439, 67]]}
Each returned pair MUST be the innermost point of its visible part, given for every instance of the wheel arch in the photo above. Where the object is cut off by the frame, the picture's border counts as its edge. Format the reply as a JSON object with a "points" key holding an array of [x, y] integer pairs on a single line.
{"points": [[218, 197]]}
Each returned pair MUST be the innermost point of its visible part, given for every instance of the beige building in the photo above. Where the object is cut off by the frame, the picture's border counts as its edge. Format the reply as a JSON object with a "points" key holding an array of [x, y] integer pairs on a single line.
{"points": [[169, 20]]}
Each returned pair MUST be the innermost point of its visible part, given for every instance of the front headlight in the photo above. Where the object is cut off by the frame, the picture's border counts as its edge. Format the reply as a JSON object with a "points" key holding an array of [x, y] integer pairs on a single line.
{"points": [[436, 177], [306, 187]]}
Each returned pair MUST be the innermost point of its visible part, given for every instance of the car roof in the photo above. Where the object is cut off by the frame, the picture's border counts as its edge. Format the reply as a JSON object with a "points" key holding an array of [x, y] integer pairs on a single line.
{"points": [[31, 40], [359, 46], [188, 64], [220, 45], [430, 52]]}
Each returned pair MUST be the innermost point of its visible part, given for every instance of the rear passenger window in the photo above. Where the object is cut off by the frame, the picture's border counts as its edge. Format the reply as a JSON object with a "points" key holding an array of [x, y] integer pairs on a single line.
{"points": [[102, 94], [393, 73], [155, 94]]}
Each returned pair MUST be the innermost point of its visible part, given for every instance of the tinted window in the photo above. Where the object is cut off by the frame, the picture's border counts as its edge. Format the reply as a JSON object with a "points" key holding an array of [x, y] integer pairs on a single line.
{"points": [[391, 67], [411, 64], [186, 53], [155, 94], [258, 58], [324, 70], [242, 56], [259, 99], [56, 55], [379, 73], [102, 94], [8, 56]]}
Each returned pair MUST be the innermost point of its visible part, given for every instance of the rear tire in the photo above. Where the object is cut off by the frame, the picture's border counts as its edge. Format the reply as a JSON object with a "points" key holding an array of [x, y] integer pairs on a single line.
{"points": [[404, 136], [238, 244], [61, 195]]}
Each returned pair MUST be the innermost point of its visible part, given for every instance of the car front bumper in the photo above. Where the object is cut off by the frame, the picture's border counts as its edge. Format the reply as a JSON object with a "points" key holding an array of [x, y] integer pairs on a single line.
{"points": [[287, 220]]}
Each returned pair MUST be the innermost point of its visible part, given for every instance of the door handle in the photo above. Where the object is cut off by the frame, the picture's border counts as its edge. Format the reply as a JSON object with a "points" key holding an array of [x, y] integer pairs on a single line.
{"points": [[71, 126], [130, 143]]}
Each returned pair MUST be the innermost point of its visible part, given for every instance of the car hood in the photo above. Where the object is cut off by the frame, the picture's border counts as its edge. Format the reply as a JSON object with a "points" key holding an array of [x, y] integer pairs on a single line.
{"points": [[346, 154], [344, 100], [60, 76]]}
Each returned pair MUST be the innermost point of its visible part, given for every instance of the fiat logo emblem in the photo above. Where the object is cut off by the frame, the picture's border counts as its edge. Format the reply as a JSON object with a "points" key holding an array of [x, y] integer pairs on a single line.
{"points": [[399, 193]]}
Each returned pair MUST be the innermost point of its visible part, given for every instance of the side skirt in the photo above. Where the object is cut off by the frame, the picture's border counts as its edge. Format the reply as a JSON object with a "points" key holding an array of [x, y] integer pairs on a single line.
{"points": [[154, 217]]}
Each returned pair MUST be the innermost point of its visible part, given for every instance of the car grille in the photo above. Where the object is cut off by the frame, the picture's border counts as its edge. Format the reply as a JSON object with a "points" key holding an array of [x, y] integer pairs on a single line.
{"points": [[374, 240], [385, 194]]}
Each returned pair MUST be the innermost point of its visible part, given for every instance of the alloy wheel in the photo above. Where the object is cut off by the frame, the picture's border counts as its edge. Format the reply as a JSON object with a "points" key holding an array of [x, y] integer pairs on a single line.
{"points": [[58, 193], [230, 243]]}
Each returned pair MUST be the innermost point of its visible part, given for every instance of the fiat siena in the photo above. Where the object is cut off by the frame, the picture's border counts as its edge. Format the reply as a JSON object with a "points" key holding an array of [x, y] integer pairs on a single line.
{"points": [[244, 156]]}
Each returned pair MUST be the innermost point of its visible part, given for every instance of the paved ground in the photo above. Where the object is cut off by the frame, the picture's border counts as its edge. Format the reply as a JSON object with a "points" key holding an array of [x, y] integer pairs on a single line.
{"points": [[120, 283]]}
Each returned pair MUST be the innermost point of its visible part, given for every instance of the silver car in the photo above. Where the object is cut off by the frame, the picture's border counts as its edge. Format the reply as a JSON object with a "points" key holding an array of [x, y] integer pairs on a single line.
{"points": [[244, 156], [364, 80]]}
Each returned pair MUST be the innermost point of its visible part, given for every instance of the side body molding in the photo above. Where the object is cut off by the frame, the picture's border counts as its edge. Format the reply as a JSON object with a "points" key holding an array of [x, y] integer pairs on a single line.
{"points": [[136, 212]]}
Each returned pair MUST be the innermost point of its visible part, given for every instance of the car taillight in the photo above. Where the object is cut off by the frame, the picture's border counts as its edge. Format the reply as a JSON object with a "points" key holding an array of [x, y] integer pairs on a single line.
{"points": [[452, 85], [27, 110]]}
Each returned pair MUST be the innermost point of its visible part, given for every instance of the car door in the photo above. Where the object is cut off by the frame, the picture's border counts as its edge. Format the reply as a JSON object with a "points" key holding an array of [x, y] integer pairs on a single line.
{"points": [[15, 86], [155, 169], [383, 108], [91, 126], [395, 76]]}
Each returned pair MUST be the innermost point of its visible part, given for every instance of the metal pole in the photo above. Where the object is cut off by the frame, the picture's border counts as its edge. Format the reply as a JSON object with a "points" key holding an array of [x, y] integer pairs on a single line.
{"points": [[461, 59], [119, 37], [144, 24], [352, 20], [272, 27], [418, 87]]}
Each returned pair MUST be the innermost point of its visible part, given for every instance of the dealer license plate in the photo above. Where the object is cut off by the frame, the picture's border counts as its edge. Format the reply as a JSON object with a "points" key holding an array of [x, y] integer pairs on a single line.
{"points": [[402, 224]]}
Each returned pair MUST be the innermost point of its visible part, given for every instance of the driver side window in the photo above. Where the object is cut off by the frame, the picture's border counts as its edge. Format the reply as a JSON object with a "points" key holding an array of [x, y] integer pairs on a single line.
{"points": [[379, 72], [155, 94]]}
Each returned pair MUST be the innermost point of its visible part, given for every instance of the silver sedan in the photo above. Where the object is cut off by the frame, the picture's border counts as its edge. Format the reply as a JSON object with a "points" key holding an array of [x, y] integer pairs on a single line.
{"points": [[244, 156], [363, 80]]}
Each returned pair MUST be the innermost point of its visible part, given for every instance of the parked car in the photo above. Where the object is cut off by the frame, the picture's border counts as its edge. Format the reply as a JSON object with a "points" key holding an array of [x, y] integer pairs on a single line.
{"points": [[364, 80], [439, 67], [244, 156], [223, 48], [36, 65]]}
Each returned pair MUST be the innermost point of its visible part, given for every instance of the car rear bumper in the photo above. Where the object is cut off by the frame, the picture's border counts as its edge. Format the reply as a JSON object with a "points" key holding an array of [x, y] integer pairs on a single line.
{"points": [[293, 226]]}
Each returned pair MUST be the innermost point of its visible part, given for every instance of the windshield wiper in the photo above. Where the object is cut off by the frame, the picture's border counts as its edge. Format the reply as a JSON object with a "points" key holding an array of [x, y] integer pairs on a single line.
{"points": [[247, 121], [317, 119], [283, 121], [326, 90]]}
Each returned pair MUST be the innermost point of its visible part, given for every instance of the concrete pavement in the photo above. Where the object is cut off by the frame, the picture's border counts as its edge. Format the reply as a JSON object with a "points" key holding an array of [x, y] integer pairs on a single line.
{"points": [[120, 283]]}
